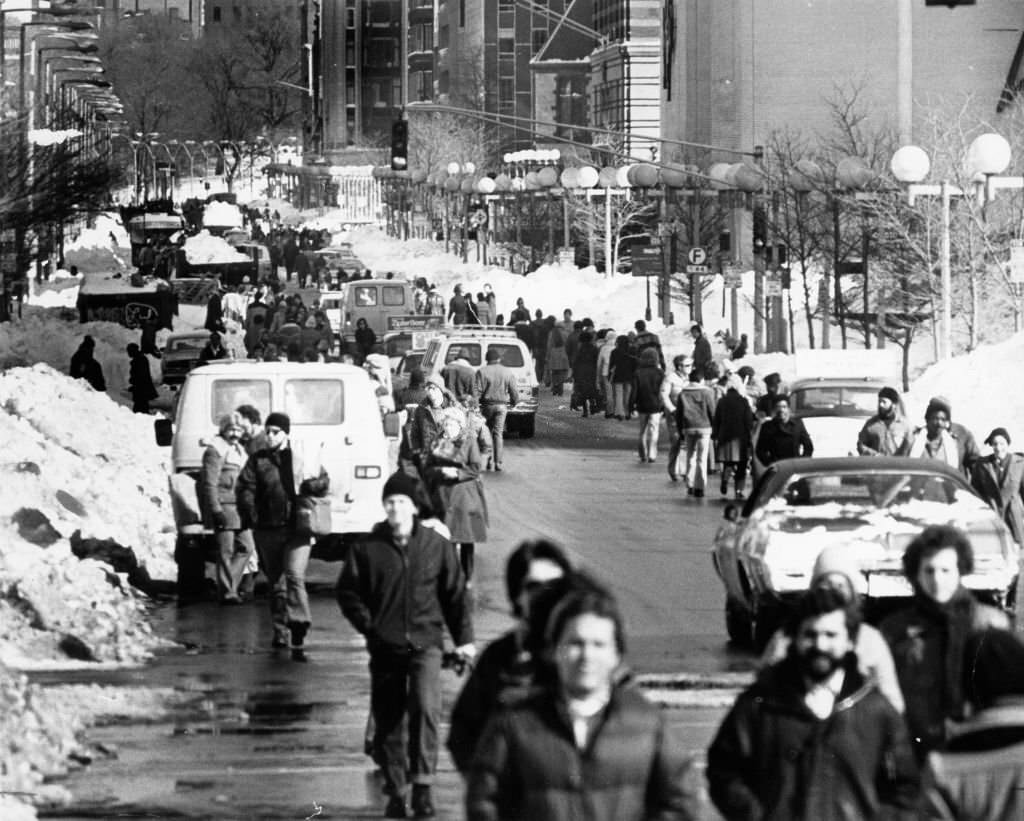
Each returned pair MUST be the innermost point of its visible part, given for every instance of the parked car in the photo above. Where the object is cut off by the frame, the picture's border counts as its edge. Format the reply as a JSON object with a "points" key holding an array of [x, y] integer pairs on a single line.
{"points": [[472, 344], [764, 553], [181, 355]]}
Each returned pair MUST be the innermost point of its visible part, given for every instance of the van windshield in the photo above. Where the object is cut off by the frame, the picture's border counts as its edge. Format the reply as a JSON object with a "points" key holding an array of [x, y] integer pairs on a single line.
{"points": [[314, 401], [228, 394]]}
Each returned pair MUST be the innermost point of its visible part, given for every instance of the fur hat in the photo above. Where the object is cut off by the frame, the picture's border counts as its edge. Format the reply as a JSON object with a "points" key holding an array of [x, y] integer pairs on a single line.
{"points": [[227, 421], [401, 484], [278, 420]]}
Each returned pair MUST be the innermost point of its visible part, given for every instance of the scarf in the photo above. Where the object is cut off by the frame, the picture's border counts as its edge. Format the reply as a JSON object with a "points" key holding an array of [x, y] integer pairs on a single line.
{"points": [[949, 448]]}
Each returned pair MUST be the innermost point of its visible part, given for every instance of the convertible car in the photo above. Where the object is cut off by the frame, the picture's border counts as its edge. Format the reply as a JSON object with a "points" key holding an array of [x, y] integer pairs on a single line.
{"points": [[764, 553]]}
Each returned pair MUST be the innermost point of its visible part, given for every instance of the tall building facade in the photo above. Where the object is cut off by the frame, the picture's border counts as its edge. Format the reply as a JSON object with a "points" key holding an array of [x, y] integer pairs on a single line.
{"points": [[735, 71]]}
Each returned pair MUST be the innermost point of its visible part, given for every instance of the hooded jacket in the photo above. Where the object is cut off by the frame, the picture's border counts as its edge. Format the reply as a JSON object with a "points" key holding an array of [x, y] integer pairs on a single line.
{"points": [[633, 768], [222, 463], [774, 760], [401, 598]]}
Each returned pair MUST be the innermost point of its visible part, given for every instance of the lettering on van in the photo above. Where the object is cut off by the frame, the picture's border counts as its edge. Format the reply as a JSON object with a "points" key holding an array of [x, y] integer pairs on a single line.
{"points": [[415, 322]]}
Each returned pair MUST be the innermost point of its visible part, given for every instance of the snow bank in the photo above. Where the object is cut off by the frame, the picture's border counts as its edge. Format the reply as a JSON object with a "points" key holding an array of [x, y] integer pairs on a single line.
{"points": [[205, 249], [222, 215], [103, 248]]}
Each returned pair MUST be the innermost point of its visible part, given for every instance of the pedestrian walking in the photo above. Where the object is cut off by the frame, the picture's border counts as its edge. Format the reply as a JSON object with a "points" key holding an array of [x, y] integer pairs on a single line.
{"points": [[731, 430], [507, 667], [484, 309], [267, 491], [84, 365], [214, 322], [424, 425], [782, 436], [459, 375], [696, 413], [671, 385], [400, 586], [520, 313], [140, 380], [764, 407], [701, 356], [557, 357], [584, 375], [980, 775], [886, 433], [943, 439], [647, 390], [647, 339], [495, 390], [451, 472], [223, 461], [365, 339], [622, 369], [458, 310], [604, 373], [999, 480], [837, 570], [812, 739], [253, 439], [587, 746], [927, 638], [147, 339], [539, 331]]}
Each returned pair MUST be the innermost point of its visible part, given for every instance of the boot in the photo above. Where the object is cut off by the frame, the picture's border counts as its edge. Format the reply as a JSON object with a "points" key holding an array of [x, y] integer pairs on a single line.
{"points": [[422, 803]]}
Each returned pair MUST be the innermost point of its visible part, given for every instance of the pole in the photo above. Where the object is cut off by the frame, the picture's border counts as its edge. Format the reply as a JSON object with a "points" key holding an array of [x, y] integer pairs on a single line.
{"points": [[946, 284], [609, 266], [865, 247]]}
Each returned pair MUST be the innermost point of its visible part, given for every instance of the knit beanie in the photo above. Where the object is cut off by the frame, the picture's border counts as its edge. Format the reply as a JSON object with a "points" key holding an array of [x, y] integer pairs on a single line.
{"points": [[401, 484], [993, 667], [889, 393], [278, 420], [837, 559], [938, 403]]}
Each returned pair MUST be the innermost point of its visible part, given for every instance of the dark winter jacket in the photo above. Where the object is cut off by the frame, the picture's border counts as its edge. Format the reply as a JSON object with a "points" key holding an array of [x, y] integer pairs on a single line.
{"points": [[783, 440], [84, 366], [622, 366], [215, 488], [774, 760], [268, 486], [502, 676], [701, 354], [459, 502], [140, 380], [734, 420], [980, 776], [647, 387], [584, 371], [634, 767], [927, 642], [696, 407], [401, 598], [1003, 488]]}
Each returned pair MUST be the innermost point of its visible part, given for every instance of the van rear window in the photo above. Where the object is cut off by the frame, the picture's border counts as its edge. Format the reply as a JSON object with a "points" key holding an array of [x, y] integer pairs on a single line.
{"points": [[228, 394], [393, 295], [365, 296], [470, 351], [511, 355], [314, 401]]}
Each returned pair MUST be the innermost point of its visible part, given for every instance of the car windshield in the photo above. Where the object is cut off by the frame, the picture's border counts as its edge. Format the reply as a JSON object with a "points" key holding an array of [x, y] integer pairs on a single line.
{"points": [[835, 400], [879, 490]]}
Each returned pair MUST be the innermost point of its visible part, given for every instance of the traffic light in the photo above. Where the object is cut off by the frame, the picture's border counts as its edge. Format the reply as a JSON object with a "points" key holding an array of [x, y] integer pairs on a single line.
{"points": [[399, 145], [759, 229]]}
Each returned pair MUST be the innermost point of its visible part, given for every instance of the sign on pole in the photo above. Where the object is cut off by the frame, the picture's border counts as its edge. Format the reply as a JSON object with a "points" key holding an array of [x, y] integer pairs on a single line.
{"points": [[1017, 261], [696, 261], [647, 261], [733, 276], [772, 286]]}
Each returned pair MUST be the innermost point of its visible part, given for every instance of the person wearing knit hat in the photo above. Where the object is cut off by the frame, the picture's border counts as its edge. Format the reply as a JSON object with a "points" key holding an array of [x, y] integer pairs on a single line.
{"points": [[943, 439], [999, 480], [267, 492], [399, 587], [980, 774], [887, 433], [838, 569]]}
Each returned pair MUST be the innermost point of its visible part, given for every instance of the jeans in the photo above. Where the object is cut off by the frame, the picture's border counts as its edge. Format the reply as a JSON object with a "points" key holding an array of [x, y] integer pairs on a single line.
{"points": [[405, 700], [650, 427], [621, 397], [495, 415], [283, 557], [233, 550], [698, 449]]}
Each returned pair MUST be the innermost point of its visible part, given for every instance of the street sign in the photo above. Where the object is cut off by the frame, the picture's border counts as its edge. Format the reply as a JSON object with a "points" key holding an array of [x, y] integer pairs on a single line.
{"points": [[773, 286], [733, 276], [696, 256], [1016, 261], [698, 269], [647, 261]]}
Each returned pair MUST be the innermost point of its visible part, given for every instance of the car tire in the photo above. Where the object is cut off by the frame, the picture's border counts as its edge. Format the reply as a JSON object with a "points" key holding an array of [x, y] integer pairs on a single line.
{"points": [[738, 624], [527, 426]]}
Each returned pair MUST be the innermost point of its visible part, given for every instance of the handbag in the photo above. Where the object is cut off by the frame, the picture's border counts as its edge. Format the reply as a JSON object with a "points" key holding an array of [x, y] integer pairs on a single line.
{"points": [[313, 516]]}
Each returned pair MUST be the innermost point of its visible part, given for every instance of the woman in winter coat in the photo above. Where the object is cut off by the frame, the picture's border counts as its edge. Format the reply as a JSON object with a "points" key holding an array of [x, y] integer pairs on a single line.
{"points": [[927, 638], [365, 339], [999, 480], [223, 460], [647, 390], [588, 745], [731, 428], [451, 472], [584, 374], [557, 358], [622, 368]]}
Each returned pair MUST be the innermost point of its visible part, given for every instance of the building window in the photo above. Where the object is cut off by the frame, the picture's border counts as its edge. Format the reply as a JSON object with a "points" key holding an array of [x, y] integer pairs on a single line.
{"points": [[350, 18], [350, 54], [540, 37], [462, 14], [506, 89], [216, 14], [442, 37], [396, 92], [506, 45]]}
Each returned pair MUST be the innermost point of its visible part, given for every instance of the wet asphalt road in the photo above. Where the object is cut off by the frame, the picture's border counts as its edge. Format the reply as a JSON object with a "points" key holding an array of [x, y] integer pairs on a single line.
{"points": [[260, 736]]}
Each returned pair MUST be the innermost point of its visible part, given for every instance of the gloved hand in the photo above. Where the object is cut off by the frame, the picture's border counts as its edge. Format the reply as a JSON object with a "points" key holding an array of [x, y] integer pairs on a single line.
{"points": [[220, 520]]}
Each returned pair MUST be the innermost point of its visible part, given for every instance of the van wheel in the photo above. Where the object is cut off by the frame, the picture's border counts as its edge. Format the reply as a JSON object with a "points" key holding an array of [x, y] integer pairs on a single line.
{"points": [[191, 560], [527, 427]]}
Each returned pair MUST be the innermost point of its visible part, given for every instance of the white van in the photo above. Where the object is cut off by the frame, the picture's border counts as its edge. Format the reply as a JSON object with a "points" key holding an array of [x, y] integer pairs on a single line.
{"points": [[335, 420]]}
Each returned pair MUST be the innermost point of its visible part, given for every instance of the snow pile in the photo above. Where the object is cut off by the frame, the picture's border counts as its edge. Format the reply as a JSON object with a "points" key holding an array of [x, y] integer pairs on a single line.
{"points": [[102, 248], [222, 215], [88, 466], [981, 389], [205, 249]]}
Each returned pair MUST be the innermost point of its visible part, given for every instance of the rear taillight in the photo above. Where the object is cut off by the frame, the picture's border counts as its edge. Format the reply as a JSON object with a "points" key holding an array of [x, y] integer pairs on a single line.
{"points": [[368, 471]]}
